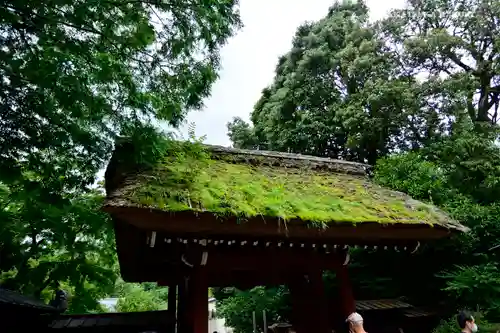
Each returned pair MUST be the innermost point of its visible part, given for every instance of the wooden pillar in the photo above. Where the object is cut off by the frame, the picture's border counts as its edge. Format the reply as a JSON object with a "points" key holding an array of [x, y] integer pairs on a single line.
{"points": [[197, 313], [309, 305], [319, 303], [172, 303], [200, 300], [298, 295], [182, 316], [347, 302], [172, 298]]}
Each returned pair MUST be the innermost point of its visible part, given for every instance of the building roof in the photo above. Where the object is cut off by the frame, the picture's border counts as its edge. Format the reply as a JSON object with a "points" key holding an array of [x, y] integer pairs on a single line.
{"points": [[229, 182], [141, 321], [8, 297], [381, 304], [407, 310]]}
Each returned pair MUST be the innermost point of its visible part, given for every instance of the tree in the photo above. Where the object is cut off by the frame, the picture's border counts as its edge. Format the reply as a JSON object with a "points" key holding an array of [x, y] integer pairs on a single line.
{"points": [[70, 242], [242, 134], [458, 174], [453, 45], [75, 76], [238, 308], [339, 93], [359, 91], [135, 297], [75, 73], [140, 300]]}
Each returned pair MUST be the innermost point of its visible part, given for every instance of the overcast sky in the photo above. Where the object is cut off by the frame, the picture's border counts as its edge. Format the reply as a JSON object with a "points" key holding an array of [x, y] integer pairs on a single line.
{"points": [[249, 58]]}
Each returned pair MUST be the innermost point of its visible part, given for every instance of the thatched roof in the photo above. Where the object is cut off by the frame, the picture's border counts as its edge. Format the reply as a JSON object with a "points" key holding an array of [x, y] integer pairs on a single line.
{"points": [[243, 183]]}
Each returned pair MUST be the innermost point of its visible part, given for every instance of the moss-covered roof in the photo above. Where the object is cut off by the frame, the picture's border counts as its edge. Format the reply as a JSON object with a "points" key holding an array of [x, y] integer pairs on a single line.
{"points": [[246, 184]]}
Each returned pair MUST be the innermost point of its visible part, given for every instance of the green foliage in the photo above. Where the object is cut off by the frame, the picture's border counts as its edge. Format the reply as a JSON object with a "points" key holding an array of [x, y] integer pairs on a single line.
{"points": [[75, 73], [75, 76], [411, 173], [242, 135], [447, 326], [359, 91], [438, 40], [478, 284], [72, 243], [237, 309], [337, 93], [471, 278], [472, 162], [451, 325], [136, 297]]}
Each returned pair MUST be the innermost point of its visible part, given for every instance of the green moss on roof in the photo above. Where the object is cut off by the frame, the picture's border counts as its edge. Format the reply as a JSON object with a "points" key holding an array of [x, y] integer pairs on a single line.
{"points": [[226, 185]]}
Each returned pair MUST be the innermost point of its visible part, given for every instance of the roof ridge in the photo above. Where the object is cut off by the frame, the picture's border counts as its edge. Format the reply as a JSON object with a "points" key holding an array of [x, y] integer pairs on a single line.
{"points": [[274, 158], [271, 153]]}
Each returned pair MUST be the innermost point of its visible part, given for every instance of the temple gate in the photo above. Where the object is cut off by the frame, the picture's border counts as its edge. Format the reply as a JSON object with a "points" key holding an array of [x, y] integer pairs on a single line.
{"points": [[203, 216]]}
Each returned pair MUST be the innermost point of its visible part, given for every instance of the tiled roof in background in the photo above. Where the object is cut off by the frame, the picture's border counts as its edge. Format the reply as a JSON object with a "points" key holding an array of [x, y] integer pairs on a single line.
{"points": [[381, 304], [153, 320], [14, 298]]}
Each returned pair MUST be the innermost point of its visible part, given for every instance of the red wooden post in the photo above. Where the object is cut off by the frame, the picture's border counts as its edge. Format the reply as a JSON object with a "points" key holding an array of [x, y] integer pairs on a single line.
{"points": [[347, 302], [299, 298], [319, 304], [199, 300], [309, 303]]}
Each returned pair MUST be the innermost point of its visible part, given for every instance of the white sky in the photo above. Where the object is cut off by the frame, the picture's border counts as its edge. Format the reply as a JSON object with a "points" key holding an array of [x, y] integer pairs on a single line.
{"points": [[249, 58]]}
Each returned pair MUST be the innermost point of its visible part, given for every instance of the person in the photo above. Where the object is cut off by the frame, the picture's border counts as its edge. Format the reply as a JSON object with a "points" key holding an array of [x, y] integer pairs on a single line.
{"points": [[466, 322], [355, 322]]}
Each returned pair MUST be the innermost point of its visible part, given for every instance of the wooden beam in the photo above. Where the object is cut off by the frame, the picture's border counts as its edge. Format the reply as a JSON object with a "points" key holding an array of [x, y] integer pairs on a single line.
{"points": [[182, 316], [172, 299], [319, 302], [199, 300], [257, 259], [346, 297], [208, 225], [240, 279], [245, 268]]}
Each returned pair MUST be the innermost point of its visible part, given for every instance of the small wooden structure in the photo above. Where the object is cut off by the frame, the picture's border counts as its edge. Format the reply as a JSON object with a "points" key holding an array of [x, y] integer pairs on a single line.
{"points": [[21, 313], [391, 315], [200, 216], [126, 322]]}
